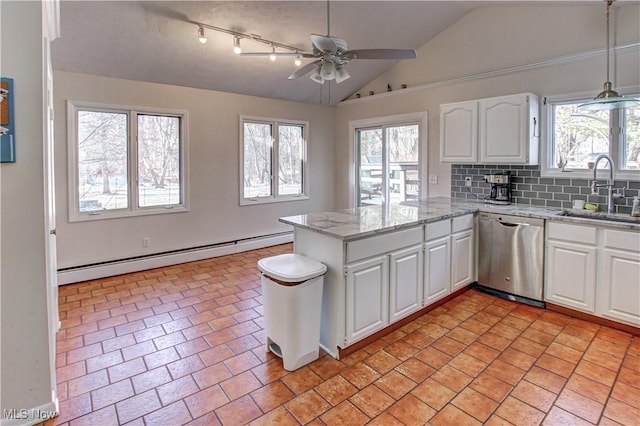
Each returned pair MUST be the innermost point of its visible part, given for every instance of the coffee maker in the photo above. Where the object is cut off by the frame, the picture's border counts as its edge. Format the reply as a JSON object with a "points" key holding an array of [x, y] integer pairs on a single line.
{"points": [[500, 188]]}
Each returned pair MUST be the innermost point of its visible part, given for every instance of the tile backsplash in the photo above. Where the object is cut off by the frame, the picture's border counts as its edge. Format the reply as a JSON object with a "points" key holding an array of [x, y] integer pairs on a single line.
{"points": [[529, 188]]}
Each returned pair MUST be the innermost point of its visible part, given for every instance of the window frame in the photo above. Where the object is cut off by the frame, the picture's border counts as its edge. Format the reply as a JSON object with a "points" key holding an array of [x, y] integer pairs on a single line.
{"points": [[275, 197], [420, 118], [133, 210], [616, 141]]}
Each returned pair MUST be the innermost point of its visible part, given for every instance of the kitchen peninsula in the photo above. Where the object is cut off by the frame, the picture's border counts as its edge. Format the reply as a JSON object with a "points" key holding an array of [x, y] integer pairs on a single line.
{"points": [[389, 262]]}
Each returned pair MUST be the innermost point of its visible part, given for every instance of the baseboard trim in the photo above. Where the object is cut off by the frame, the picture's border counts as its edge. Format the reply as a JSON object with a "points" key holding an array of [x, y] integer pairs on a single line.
{"points": [[29, 416], [595, 319], [342, 352], [126, 266]]}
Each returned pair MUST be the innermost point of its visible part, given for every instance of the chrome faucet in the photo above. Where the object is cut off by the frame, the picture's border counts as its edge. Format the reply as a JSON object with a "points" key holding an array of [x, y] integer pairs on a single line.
{"points": [[609, 185]]}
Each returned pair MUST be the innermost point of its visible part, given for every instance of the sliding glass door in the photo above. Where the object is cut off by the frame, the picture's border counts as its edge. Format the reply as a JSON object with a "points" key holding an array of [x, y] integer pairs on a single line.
{"points": [[387, 164]]}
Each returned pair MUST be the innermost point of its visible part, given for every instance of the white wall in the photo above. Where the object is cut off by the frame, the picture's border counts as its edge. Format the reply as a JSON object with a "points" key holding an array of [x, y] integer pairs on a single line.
{"points": [[491, 39], [25, 351], [215, 215]]}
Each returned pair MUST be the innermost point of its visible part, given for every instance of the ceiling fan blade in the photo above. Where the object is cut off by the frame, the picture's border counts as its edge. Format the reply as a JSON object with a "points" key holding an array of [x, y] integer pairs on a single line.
{"points": [[380, 54], [304, 70], [323, 43]]}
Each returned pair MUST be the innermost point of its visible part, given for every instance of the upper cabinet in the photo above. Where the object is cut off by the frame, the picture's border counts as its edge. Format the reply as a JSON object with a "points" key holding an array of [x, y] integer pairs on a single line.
{"points": [[459, 132], [500, 130]]}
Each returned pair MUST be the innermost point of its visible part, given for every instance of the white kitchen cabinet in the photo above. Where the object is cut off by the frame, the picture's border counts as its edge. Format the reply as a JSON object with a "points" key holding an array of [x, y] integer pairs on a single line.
{"points": [[437, 269], [449, 256], [405, 282], [462, 259], [459, 132], [367, 297], [509, 129], [618, 291], [498, 130], [571, 265]]}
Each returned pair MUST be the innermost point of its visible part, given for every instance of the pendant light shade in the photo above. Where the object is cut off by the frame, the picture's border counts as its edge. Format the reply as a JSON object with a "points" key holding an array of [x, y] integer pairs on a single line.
{"points": [[608, 99]]}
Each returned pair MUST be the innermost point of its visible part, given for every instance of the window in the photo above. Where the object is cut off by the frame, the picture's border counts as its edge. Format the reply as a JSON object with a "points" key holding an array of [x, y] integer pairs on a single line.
{"points": [[125, 161], [273, 160], [388, 159], [575, 138]]}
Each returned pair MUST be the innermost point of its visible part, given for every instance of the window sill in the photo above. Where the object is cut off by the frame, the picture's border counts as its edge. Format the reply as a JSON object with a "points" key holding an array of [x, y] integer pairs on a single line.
{"points": [[120, 214], [270, 200], [628, 175]]}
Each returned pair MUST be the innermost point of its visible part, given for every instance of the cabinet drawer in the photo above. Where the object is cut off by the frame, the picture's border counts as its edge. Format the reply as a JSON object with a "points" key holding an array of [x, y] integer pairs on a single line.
{"points": [[462, 223], [624, 240], [382, 244], [437, 229], [573, 233]]}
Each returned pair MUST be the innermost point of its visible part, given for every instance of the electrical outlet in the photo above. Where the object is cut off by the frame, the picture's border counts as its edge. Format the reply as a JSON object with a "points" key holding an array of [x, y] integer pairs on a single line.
{"points": [[146, 242], [467, 181], [433, 179]]}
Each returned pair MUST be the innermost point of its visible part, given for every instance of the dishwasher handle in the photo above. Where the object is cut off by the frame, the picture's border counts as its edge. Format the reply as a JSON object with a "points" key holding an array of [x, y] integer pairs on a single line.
{"points": [[509, 223]]}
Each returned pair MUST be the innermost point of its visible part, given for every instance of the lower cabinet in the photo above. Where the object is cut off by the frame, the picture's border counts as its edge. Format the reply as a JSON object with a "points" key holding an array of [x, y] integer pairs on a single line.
{"points": [[405, 282], [462, 259], [618, 295], [594, 269], [437, 269], [367, 297], [449, 258], [571, 274]]}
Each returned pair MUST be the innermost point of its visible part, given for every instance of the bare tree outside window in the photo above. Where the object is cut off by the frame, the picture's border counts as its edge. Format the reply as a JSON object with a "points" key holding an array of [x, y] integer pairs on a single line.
{"points": [[579, 137], [126, 161], [102, 161], [632, 138], [257, 159], [158, 160], [290, 152]]}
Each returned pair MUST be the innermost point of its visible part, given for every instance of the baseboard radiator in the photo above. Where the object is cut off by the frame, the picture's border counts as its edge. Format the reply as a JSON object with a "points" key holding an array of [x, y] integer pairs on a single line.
{"points": [[140, 263]]}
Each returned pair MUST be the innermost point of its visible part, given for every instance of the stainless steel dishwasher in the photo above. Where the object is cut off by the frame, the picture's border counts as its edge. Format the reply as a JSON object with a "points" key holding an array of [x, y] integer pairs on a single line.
{"points": [[511, 256]]}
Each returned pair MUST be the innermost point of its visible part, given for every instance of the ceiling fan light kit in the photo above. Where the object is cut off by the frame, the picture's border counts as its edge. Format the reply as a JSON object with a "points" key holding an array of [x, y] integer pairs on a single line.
{"points": [[608, 99]]}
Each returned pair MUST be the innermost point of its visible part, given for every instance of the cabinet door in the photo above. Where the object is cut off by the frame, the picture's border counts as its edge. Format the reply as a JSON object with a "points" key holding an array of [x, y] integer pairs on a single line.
{"points": [[618, 295], [437, 269], [504, 130], [462, 259], [571, 275], [367, 297], [405, 282], [459, 132]]}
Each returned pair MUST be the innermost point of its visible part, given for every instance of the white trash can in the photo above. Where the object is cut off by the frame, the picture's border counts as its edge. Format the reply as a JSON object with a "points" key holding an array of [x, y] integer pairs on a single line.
{"points": [[292, 304]]}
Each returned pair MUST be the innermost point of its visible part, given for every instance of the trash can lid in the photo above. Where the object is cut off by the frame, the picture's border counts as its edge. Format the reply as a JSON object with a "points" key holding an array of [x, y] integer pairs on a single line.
{"points": [[291, 267]]}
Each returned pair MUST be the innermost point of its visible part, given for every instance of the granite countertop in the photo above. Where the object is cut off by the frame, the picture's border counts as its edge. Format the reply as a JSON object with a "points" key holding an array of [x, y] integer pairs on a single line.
{"points": [[360, 222]]}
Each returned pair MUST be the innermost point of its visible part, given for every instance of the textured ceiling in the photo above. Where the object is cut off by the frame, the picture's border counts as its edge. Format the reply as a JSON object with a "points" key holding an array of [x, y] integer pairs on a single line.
{"points": [[157, 41]]}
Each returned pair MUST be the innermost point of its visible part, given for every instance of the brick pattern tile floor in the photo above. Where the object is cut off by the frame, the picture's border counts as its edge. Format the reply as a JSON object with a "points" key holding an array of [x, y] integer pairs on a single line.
{"points": [[184, 345]]}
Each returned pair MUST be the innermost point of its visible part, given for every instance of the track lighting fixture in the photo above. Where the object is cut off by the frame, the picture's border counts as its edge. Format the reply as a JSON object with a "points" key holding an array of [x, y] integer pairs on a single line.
{"points": [[236, 45], [298, 61], [273, 56], [201, 35]]}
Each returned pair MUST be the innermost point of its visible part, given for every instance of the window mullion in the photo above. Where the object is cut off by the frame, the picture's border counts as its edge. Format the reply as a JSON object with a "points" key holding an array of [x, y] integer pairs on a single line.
{"points": [[274, 160], [132, 173], [386, 193]]}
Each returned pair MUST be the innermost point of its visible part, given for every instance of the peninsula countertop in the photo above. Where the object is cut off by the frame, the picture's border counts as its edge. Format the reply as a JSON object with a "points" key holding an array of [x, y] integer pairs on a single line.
{"points": [[360, 222]]}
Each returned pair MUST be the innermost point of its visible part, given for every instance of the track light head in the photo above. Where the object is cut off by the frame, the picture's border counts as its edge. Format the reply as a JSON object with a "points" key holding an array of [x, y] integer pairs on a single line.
{"points": [[201, 35], [236, 45]]}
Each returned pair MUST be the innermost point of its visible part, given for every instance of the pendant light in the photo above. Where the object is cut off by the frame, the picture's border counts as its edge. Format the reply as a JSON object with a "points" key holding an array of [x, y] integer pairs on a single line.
{"points": [[608, 99]]}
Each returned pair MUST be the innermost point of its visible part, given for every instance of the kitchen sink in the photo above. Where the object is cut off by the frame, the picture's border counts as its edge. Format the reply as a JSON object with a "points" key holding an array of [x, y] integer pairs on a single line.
{"points": [[586, 214]]}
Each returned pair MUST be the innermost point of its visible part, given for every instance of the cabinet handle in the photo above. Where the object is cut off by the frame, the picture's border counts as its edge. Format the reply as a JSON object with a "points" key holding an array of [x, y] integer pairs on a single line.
{"points": [[535, 124]]}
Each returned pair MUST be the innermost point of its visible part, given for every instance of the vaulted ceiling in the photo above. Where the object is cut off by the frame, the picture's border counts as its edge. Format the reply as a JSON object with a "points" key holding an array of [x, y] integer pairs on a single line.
{"points": [[157, 41]]}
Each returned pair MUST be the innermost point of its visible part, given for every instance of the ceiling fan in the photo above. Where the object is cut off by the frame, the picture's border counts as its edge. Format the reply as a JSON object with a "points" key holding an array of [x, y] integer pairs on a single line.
{"points": [[333, 54]]}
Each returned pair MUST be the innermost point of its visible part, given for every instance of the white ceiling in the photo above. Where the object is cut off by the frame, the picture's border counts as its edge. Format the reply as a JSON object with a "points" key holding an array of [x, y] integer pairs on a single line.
{"points": [[157, 41]]}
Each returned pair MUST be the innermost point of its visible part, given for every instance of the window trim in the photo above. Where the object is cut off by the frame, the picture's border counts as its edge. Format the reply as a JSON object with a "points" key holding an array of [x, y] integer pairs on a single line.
{"points": [[133, 210], [615, 150], [275, 197], [421, 118]]}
